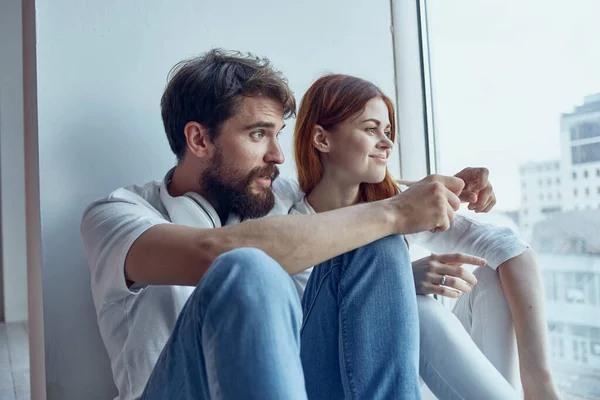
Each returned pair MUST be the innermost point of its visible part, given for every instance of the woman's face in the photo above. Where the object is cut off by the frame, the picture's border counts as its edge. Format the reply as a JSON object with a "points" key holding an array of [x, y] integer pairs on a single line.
{"points": [[360, 146]]}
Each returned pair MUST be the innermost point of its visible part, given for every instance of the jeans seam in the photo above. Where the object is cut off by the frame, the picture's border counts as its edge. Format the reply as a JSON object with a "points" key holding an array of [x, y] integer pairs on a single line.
{"points": [[314, 299], [349, 377], [353, 394]]}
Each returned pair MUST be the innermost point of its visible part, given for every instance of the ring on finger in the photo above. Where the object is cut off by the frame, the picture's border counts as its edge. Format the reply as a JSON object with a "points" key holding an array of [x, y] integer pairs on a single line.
{"points": [[443, 280]]}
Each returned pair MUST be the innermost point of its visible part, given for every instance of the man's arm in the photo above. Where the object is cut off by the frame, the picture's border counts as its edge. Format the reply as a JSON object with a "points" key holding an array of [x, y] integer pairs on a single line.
{"points": [[178, 255]]}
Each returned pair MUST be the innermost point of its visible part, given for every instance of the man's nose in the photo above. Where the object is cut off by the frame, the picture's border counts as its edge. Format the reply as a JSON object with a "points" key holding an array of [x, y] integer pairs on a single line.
{"points": [[275, 155]]}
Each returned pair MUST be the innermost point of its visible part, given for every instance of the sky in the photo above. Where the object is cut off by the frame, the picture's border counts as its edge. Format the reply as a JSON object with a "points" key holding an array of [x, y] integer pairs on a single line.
{"points": [[502, 73]]}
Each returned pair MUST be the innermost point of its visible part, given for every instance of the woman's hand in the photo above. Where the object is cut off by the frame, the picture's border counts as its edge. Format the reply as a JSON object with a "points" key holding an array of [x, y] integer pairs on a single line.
{"points": [[429, 273]]}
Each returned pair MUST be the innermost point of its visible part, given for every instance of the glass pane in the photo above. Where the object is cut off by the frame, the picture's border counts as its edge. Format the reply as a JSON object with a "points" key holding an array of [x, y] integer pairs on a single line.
{"points": [[516, 88]]}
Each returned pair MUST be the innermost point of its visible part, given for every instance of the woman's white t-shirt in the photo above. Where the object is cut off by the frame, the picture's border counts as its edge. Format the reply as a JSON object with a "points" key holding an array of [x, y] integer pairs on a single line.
{"points": [[496, 244]]}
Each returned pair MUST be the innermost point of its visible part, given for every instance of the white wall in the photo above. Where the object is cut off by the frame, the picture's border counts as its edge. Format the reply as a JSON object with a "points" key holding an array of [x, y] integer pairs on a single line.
{"points": [[12, 198], [101, 68]]}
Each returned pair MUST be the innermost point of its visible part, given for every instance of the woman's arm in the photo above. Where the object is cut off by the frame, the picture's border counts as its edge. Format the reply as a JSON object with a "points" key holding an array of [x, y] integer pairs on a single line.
{"points": [[522, 284]]}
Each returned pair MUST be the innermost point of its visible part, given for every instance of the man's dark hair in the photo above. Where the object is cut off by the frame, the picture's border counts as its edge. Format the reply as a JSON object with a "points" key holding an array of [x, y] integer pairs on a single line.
{"points": [[209, 89]]}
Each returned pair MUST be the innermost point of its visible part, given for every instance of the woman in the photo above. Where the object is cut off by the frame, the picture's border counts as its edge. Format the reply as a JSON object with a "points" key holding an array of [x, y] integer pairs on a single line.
{"points": [[344, 134]]}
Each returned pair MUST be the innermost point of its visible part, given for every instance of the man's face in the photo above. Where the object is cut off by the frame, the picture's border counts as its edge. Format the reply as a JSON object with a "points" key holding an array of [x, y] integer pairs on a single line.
{"points": [[244, 163]]}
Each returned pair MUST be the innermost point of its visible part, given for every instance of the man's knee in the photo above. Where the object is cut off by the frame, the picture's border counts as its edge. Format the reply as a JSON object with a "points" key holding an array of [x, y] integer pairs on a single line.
{"points": [[245, 273]]}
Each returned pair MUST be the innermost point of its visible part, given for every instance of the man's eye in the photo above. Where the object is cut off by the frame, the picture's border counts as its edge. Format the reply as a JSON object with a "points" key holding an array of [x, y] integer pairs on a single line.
{"points": [[258, 134], [278, 134]]}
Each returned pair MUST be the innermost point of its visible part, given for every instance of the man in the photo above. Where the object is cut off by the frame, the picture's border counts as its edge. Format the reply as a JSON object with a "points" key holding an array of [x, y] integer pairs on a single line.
{"points": [[238, 335]]}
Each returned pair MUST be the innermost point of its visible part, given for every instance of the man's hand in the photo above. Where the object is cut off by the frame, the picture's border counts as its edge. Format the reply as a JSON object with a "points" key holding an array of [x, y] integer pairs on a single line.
{"points": [[429, 273], [478, 191], [427, 205]]}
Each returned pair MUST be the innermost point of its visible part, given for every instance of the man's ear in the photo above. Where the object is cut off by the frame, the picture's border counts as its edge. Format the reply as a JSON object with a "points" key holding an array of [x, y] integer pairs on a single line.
{"points": [[320, 139], [198, 139]]}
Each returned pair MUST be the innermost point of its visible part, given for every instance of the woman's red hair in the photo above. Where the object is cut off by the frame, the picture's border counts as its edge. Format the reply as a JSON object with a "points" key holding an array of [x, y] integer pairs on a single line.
{"points": [[330, 100]]}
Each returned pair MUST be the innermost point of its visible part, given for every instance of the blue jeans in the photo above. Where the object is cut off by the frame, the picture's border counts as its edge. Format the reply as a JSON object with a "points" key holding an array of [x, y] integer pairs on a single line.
{"points": [[242, 334]]}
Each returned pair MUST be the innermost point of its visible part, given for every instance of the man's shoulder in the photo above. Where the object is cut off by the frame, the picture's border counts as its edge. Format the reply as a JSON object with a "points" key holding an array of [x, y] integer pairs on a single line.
{"points": [[146, 195]]}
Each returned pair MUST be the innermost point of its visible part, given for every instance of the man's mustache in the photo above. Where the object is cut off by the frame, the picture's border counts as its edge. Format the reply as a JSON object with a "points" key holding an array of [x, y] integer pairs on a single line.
{"points": [[271, 171]]}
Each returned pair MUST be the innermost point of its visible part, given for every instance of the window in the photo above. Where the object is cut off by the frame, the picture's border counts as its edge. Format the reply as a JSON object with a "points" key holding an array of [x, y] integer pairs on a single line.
{"points": [[585, 130], [584, 351], [478, 71], [585, 153]]}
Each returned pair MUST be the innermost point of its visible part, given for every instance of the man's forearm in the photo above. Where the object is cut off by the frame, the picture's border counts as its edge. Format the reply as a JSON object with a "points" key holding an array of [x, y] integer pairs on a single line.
{"points": [[179, 255], [523, 286]]}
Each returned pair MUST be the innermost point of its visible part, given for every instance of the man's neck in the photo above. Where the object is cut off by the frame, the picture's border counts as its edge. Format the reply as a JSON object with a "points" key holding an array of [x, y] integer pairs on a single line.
{"points": [[330, 194], [183, 182]]}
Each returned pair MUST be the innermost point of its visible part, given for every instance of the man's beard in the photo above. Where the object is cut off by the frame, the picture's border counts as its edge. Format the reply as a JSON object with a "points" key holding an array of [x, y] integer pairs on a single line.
{"points": [[232, 190]]}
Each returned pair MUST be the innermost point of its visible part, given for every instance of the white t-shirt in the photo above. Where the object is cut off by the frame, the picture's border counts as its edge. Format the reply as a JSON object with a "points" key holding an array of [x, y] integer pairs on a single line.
{"points": [[136, 322], [494, 243]]}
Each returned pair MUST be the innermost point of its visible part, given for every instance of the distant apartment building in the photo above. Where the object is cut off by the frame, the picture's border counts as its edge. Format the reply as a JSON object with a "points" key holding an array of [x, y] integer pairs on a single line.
{"points": [[571, 183]]}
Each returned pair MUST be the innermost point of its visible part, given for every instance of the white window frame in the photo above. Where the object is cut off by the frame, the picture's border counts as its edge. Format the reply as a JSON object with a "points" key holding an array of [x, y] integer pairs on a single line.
{"points": [[414, 111]]}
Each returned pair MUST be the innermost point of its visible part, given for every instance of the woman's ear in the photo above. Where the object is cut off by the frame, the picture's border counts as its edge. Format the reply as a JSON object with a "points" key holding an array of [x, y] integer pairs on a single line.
{"points": [[198, 139], [321, 139]]}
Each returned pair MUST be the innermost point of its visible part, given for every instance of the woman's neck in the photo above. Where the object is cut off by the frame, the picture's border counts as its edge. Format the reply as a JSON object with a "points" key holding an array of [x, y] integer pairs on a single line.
{"points": [[330, 194]]}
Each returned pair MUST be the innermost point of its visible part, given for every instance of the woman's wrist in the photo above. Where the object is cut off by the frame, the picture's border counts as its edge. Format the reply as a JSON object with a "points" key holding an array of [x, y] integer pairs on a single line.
{"points": [[532, 377]]}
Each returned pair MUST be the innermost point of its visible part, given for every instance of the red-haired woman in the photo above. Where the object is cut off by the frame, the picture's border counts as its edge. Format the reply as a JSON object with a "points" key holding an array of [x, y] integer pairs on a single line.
{"points": [[344, 134]]}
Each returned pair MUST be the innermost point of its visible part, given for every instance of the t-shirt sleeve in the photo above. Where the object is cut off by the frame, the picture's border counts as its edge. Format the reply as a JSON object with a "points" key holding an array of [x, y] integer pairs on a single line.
{"points": [[287, 191], [108, 229], [497, 244]]}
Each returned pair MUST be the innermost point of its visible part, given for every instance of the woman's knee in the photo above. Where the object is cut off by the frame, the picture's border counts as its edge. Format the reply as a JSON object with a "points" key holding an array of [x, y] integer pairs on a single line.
{"points": [[390, 251]]}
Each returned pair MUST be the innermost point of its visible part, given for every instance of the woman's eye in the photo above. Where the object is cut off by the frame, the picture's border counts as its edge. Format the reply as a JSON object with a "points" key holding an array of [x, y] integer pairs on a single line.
{"points": [[372, 130], [388, 134]]}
